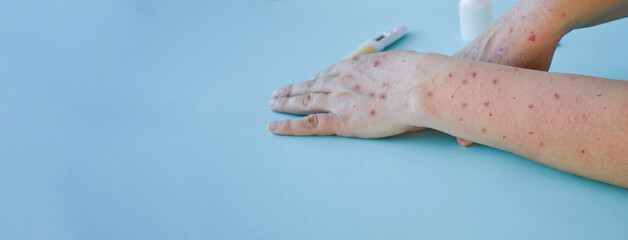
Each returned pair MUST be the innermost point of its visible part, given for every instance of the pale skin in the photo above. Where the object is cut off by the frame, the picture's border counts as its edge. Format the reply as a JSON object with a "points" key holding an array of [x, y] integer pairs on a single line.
{"points": [[570, 122]]}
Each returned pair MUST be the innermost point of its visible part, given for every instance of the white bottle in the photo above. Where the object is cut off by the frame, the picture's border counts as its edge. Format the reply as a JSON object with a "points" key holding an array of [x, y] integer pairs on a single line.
{"points": [[475, 16]]}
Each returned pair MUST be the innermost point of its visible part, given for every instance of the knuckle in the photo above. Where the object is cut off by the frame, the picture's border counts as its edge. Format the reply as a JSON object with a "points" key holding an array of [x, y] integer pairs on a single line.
{"points": [[312, 122], [286, 91], [307, 100]]}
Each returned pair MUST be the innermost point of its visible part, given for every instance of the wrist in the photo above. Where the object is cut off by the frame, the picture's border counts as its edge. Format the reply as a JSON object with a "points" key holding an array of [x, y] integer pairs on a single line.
{"points": [[418, 111]]}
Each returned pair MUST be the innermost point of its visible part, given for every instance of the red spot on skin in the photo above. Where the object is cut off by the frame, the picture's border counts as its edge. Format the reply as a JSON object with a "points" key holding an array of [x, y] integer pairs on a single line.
{"points": [[354, 106], [356, 88], [452, 96], [376, 63], [403, 60], [464, 81], [464, 104], [354, 58], [530, 132], [503, 136], [582, 151], [523, 17], [563, 15], [372, 112], [599, 95], [382, 96], [541, 144], [371, 95], [510, 31], [483, 130], [556, 95], [384, 56], [450, 75], [516, 69], [531, 106], [514, 98], [384, 84], [584, 116], [486, 103], [495, 81], [429, 93], [532, 38], [550, 10], [500, 51], [474, 74], [460, 119]]}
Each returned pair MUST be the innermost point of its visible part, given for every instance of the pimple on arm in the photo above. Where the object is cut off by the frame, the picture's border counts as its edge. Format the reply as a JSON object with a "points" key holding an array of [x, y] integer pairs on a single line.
{"points": [[532, 38], [376, 63]]}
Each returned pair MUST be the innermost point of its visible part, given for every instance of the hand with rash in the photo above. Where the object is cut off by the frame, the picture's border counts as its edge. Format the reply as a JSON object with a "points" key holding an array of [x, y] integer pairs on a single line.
{"points": [[365, 96]]}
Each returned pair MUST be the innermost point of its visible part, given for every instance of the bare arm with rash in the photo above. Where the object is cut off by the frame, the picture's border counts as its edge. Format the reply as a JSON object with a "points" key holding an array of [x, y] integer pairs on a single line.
{"points": [[527, 35], [574, 123]]}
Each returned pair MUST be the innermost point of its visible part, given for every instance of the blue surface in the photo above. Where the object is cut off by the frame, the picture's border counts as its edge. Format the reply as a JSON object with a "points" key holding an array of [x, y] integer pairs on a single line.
{"points": [[146, 120]]}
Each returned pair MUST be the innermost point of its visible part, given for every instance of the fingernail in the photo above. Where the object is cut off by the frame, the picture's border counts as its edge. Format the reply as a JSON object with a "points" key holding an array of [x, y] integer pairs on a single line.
{"points": [[273, 126], [271, 103]]}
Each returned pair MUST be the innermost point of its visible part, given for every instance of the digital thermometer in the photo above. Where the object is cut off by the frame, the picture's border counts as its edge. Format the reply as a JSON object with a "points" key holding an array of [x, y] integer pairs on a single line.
{"points": [[381, 41]]}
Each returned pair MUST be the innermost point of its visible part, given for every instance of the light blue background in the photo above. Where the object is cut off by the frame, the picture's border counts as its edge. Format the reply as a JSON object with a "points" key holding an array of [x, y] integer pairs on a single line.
{"points": [[147, 120]]}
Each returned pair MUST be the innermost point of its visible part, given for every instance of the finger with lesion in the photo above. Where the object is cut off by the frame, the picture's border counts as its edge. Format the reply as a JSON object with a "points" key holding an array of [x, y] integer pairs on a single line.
{"points": [[302, 104], [315, 124]]}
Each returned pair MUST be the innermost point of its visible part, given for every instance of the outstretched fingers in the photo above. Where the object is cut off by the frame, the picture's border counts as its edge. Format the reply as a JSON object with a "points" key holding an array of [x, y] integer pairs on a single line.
{"points": [[302, 88], [315, 124], [302, 104]]}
